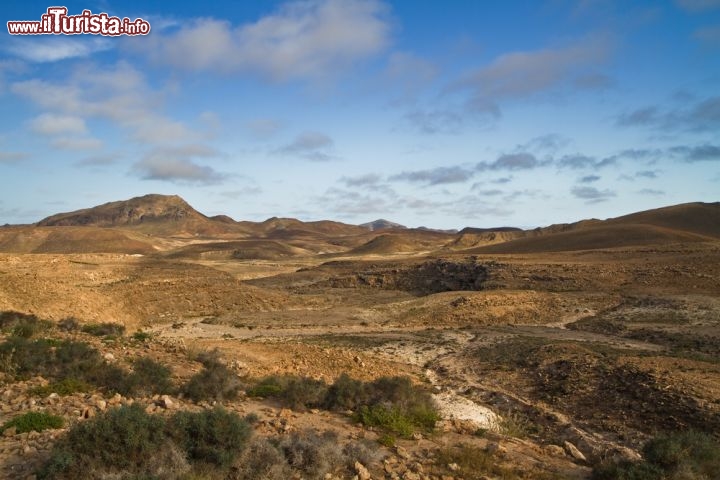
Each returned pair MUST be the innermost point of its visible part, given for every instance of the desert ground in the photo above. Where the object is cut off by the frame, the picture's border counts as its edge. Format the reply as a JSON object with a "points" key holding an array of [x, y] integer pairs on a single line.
{"points": [[546, 352]]}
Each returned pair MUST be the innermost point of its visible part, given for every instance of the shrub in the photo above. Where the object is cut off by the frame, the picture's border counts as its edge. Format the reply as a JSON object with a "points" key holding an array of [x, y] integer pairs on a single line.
{"points": [[261, 461], [392, 403], [266, 387], [129, 443], [685, 455], [344, 394], [214, 382], [389, 418], [141, 336], [395, 404], [68, 359], [297, 393], [34, 421], [22, 324], [69, 324], [121, 440], [66, 386], [307, 454], [312, 454], [211, 436], [104, 329], [149, 376]]}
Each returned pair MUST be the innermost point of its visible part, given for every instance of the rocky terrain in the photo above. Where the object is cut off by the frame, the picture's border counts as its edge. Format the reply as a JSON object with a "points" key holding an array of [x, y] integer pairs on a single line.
{"points": [[549, 353]]}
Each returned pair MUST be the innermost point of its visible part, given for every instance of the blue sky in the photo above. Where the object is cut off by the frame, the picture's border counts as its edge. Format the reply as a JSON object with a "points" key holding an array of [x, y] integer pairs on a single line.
{"points": [[442, 114]]}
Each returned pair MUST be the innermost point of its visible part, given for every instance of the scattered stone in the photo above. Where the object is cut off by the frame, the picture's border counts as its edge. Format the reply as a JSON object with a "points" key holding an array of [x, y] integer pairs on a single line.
{"points": [[166, 402], [9, 432], [573, 451], [362, 472], [402, 453], [454, 467], [109, 357]]}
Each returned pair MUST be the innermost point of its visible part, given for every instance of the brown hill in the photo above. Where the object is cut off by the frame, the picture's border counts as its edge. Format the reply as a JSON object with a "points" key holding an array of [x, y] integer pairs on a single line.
{"points": [[260, 249], [472, 239], [606, 236], [282, 228], [402, 241], [690, 222], [700, 218], [155, 214], [71, 240]]}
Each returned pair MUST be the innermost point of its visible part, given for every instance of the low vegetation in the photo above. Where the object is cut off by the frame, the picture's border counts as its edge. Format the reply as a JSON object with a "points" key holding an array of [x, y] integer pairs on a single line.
{"points": [[307, 454], [474, 463], [214, 382], [66, 386], [687, 455], [33, 422], [73, 366], [22, 324], [393, 404], [127, 442], [104, 329]]}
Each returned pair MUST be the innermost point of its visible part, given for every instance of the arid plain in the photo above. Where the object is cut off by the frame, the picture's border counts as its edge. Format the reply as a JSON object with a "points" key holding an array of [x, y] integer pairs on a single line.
{"points": [[547, 352]]}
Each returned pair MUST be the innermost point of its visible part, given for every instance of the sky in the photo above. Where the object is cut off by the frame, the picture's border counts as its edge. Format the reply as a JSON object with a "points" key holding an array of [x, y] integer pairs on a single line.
{"points": [[427, 113]]}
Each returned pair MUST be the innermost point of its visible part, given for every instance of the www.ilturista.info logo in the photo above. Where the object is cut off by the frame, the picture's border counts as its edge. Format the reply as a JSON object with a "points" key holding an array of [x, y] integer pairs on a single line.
{"points": [[57, 22]]}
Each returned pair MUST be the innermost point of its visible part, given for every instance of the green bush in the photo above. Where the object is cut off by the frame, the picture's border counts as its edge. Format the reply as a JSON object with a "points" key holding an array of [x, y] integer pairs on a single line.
{"points": [[211, 436], [122, 440], [390, 418], [23, 325], [141, 336], [344, 394], [267, 387], [34, 421], [66, 386], [391, 403], [214, 382], [307, 454], [104, 329], [687, 455], [67, 360], [149, 377], [69, 324], [261, 460], [297, 393], [129, 443]]}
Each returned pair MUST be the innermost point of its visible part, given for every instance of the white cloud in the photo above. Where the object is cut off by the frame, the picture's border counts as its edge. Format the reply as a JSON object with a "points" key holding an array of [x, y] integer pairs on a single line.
{"points": [[53, 124], [311, 146], [520, 74], [303, 39], [177, 165], [13, 157], [83, 143], [116, 93], [263, 128], [53, 48]]}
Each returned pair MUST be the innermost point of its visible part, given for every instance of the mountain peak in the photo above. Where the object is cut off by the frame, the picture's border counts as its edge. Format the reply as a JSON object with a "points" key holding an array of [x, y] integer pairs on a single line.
{"points": [[381, 224], [147, 208]]}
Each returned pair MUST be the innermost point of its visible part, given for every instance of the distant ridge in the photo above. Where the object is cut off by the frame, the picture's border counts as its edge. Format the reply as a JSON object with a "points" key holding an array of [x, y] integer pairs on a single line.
{"points": [[381, 224], [689, 222], [153, 214], [137, 210]]}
